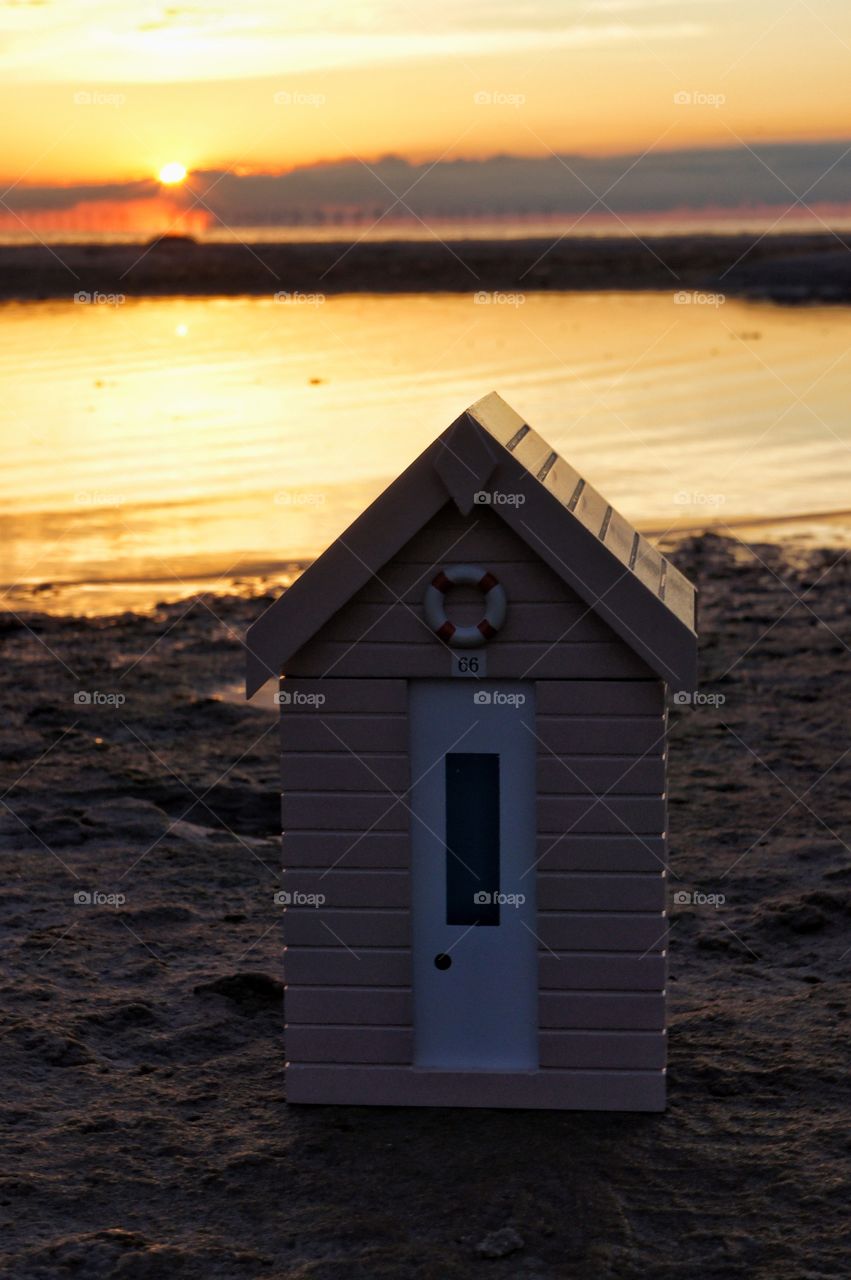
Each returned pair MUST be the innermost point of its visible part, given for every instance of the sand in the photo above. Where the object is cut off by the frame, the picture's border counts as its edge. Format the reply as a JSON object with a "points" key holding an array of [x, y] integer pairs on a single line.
{"points": [[146, 1129], [782, 268]]}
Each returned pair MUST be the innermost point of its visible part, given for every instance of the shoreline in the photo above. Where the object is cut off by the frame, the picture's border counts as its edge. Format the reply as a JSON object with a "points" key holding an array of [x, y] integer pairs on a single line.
{"points": [[94, 598], [790, 269]]}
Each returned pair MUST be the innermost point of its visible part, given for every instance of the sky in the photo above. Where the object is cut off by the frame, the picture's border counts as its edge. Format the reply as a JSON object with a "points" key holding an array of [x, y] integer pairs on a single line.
{"points": [[98, 95]]}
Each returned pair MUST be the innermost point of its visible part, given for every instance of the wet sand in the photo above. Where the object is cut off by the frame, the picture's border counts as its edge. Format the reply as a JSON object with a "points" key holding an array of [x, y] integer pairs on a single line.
{"points": [[782, 268], [146, 1127]]}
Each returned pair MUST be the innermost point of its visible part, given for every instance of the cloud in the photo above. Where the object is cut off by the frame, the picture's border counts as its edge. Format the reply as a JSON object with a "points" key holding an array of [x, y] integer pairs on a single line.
{"points": [[509, 185], [133, 43], [554, 184], [65, 197]]}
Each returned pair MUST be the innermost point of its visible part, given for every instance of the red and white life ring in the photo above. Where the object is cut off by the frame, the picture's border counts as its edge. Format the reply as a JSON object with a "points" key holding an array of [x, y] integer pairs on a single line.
{"points": [[466, 575]]}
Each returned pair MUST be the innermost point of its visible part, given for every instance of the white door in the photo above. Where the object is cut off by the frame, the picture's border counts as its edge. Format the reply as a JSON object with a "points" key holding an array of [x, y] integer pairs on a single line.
{"points": [[475, 969]]}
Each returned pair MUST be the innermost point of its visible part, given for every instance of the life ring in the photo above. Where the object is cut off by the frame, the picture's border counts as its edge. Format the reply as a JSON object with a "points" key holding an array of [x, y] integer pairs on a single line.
{"points": [[464, 575]]}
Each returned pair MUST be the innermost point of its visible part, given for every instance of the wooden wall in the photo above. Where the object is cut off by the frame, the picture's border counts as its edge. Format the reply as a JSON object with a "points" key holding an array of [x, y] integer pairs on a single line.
{"points": [[549, 632], [601, 839]]}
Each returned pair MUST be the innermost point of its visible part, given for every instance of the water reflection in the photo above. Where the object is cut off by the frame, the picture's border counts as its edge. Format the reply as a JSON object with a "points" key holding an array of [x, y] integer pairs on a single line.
{"points": [[201, 440]]}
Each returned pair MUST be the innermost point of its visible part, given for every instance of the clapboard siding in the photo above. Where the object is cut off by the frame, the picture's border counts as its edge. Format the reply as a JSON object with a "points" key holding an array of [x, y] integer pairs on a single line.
{"points": [[526, 581], [600, 735], [481, 536], [356, 926], [346, 888], [569, 891], [552, 1088], [558, 851], [549, 632], [599, 1050], [346, 846], [622, 852], [346, 810], [346, 698], [322, 731], [600, 698], [558, 930], [615, 815], [560, 971], [597, 931], [609, 1011], [324, 771], [387, 1045], [567, 736], [341, 1006], [600, 775], [525, 622], [600, 848], [346, 849], [572, 971], [340, 965], [432, 659]]}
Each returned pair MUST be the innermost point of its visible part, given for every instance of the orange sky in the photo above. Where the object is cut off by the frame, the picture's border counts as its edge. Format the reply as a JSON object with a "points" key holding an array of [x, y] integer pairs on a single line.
{"points": [[100, 92]]}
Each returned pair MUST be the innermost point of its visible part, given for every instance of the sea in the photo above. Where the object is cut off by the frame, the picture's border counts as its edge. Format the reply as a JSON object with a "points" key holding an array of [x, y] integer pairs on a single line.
{"points": [[151, 448]]}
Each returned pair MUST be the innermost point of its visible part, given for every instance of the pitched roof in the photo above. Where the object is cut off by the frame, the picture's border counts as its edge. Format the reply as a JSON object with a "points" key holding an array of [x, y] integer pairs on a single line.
{"points": [[489, 448]]}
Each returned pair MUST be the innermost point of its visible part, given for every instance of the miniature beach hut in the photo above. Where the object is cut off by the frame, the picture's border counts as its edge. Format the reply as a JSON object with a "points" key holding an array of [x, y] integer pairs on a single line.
{"points": [[473, 735]]}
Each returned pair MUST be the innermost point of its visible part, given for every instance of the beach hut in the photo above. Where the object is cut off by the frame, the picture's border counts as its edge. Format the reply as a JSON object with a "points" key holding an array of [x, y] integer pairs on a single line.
{"points": [[473, 736]]}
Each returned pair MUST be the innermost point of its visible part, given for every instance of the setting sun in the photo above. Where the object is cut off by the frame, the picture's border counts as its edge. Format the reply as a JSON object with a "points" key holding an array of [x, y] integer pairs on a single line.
{"points": [[172, 173]]}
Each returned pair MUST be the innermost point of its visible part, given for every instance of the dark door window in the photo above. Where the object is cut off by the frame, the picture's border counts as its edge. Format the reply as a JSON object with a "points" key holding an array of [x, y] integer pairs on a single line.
{"points": [[472, 838]]}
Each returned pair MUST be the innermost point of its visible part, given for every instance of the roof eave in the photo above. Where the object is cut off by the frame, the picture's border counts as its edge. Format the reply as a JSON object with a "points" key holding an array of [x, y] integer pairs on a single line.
{"points": [[637, 615], [358, 554], [480, 450]]}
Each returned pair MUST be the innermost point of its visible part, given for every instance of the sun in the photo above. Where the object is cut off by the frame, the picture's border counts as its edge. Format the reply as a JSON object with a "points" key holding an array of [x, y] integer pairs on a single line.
{"points": [[172, 173]]}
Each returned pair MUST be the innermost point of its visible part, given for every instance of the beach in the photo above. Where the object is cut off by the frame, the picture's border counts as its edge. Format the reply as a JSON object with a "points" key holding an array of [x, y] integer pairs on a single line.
{"points": [[176, 462], [149, 1133], [520, 330]]}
